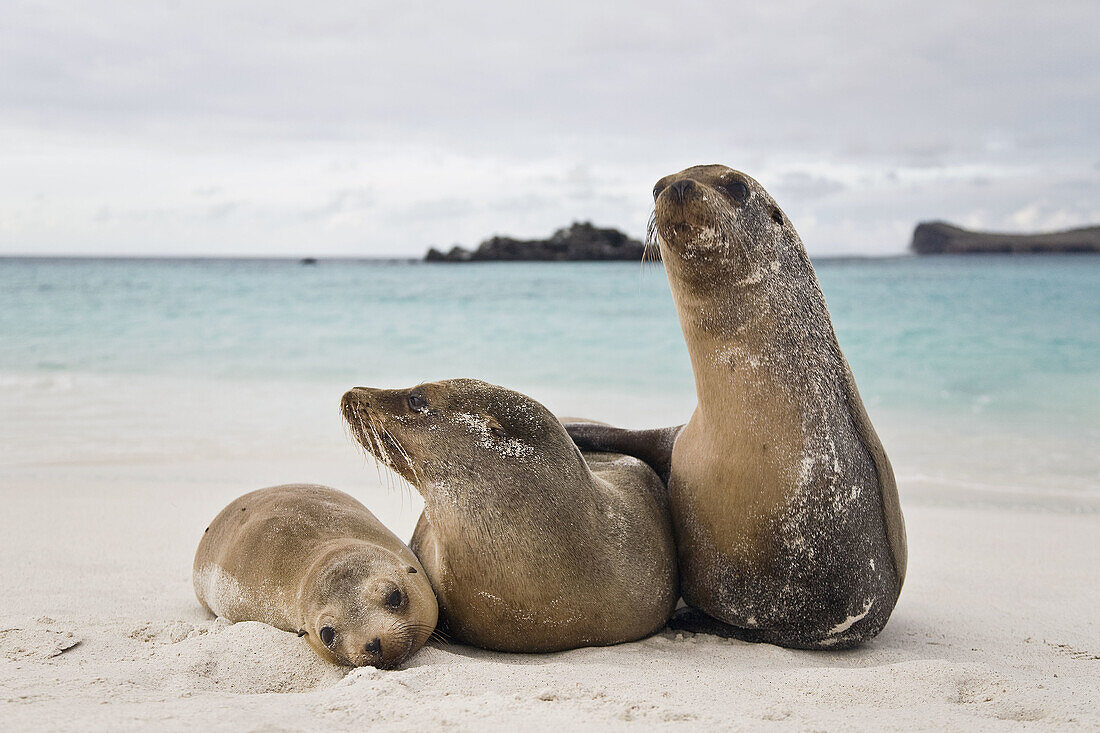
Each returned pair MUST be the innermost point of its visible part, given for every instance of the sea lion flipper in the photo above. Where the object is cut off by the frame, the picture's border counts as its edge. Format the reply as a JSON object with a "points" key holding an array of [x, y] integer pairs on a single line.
{"points": [[695, 621], [653, 446]]}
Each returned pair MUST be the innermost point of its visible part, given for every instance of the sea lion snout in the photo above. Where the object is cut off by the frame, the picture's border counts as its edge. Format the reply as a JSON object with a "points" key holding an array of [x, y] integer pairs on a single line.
{"points": [[389, 645], [690, 203], [373, 655], [681, 189], [674, 195], [388, 654], [375, 613], [711, 218], [356, 398], [384, 401], [383, 421]]}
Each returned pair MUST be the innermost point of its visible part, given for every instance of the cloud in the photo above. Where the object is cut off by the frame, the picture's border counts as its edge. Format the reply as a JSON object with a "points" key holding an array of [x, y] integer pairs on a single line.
{"points": [[207, 126], [805, 185], [341, 202], [222, 210]]}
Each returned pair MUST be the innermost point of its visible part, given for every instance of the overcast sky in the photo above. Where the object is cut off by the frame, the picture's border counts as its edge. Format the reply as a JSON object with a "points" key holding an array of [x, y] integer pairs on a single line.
{"points": [[374, 128]]}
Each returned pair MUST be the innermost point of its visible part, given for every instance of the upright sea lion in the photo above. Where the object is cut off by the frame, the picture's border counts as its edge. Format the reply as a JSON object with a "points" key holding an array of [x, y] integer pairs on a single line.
{"points": [[313, 560], [529, 546], [784, 504]]}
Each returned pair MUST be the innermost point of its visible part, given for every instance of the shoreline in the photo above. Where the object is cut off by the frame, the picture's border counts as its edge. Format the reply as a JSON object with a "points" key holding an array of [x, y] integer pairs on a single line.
{"points": [[98, 417]]}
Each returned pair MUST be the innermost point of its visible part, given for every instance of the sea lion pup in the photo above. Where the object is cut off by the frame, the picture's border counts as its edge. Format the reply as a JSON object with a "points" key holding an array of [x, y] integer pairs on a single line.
{"points": [[313, 560], [529, 547], [784, 504]]}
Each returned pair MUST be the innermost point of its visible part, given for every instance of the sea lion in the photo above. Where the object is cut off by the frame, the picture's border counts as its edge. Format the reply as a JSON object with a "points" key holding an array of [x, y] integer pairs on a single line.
{"points": [[313, 560], [785, 508], [529, 546]]}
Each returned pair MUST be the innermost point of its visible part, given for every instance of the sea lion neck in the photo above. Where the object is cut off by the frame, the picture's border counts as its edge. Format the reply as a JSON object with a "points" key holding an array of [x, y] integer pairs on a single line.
{"points": [[717, 323], [510, 486], [490, 504]]}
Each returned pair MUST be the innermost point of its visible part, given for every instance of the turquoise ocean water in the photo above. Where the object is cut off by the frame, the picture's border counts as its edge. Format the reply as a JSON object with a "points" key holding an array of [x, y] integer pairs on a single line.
{"points": [[959, 345]]}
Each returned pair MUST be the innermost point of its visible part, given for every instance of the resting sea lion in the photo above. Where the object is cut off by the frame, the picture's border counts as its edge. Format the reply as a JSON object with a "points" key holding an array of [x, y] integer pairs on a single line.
{"points": [[784, 504], [529, 547], [313, 560]]}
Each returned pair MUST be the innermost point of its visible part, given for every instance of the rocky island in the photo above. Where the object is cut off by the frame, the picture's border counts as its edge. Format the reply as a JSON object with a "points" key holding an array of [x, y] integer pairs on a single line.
{"points": [[938, 237], [580, 241]]}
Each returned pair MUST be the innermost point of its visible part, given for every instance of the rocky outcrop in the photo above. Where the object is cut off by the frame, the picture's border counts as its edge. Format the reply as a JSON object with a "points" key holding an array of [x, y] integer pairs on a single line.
{"points": [[937, 237], [456, 254], [580, 241]]}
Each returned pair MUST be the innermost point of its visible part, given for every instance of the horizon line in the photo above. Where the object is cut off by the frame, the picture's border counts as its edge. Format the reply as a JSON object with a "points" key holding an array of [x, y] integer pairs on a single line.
{"points": [[374, 258]]}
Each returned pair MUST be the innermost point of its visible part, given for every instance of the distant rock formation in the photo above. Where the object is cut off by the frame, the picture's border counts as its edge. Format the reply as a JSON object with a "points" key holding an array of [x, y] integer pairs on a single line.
{"points": [[937, 237], [580, 241]]}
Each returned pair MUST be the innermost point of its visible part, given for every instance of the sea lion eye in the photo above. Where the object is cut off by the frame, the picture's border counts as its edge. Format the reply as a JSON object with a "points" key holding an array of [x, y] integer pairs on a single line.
{"points": [[328, 635], [777, 217], [417, 403], [737, 190], [498, 431], [395, 599]]}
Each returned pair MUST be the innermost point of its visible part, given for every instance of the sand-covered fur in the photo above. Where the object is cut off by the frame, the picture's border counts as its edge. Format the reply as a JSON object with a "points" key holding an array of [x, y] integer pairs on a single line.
{"points": [[530, 547], [788, 525]]}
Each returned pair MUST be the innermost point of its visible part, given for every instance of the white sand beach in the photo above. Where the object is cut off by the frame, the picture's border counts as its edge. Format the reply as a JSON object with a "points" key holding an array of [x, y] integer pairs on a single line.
{"points": [[107, 483]]}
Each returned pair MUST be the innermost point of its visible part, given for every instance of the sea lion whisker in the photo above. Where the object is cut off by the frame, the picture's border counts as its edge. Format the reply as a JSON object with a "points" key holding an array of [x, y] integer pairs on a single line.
{"points": [[651, 229], [372, 445], [359, 434], [379, 430], [409, 632], [651, 244], [434, 632], [405, 455], [363, 438], [383, 449], [370, 435], [414, 627], [408, 460]]}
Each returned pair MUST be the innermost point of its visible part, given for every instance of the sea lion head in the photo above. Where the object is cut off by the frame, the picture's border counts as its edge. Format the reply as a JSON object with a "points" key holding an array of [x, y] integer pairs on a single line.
{"points": [[362, 605], [713, 218], [457, 432]]}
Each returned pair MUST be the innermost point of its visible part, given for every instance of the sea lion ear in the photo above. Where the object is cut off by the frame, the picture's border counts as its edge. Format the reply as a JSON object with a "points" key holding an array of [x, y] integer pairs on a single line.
{"points": [[302, 632]]}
